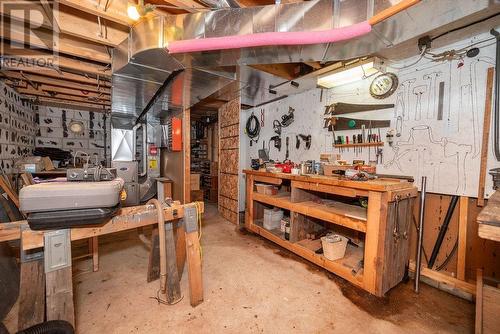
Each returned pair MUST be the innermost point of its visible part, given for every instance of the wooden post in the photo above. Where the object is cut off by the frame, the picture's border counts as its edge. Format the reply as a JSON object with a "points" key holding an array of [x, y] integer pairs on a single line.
{"points": [[94, 250], [173, 284], [193, 251], [249, 202], [194, 268], [486, 136], [31, 294], [479, 302], [462, 236], [374, 249], [154, 257], [58, 276]]}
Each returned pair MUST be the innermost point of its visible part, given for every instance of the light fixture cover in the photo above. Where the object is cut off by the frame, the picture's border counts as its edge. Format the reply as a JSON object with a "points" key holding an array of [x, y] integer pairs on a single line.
{"points": [[348, 75]]}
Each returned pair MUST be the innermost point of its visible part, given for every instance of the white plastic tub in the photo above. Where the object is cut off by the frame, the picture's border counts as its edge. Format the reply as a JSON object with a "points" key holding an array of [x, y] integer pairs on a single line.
{"points": [[334, 246]]}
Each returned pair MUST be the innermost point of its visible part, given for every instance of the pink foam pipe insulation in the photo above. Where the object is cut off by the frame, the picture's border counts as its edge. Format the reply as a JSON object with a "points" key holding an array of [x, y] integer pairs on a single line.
{"points": [[269, 39]]}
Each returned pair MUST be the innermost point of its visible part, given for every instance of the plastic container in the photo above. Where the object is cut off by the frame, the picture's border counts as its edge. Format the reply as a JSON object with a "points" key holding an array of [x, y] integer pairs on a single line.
{"points": [[266, 189], [334, 246], [272, 218]]}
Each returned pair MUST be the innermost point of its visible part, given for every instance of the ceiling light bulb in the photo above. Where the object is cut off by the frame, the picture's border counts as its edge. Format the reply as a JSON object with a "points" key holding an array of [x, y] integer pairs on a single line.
{"points": [[133, 12]]}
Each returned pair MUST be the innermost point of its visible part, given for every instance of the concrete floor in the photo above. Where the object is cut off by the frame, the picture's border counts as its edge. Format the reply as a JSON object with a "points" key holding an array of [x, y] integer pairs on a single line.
{"points": [[251, 286]]}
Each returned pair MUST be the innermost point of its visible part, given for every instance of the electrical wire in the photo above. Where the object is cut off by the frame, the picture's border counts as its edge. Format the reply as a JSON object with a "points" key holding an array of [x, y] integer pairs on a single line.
{"points": [[252, 128], [420, 57], [464, 26], [448, 258]]}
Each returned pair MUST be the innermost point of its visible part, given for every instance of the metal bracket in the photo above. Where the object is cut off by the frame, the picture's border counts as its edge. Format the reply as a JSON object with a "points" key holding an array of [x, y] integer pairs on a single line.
{"points": [[57, 249], [29, 255], [190, 219]]}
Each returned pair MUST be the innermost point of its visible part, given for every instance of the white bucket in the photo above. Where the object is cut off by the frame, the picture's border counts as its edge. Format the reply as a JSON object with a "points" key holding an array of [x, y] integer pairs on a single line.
{"points": [[334, 246]]}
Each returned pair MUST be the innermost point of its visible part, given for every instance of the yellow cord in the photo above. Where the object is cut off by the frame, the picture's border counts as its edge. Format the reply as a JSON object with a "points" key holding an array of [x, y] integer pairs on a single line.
{"points": [[199, 220]]}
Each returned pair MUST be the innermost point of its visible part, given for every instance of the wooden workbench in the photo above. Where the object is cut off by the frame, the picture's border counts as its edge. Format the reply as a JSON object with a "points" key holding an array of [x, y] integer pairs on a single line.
{"points": [[488, 289], [49, 295], [329, 201]]}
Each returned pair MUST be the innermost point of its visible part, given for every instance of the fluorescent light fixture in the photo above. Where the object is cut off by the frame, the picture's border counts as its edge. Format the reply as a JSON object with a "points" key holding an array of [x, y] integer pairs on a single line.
{"points": [[350, 73]]}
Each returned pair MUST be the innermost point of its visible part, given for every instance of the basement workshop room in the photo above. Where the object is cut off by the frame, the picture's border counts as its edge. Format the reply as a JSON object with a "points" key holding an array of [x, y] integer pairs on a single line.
{"points": [[249, 166]]}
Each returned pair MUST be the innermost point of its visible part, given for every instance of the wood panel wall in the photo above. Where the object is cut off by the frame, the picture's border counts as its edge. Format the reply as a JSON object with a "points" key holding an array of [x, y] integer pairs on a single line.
{"points": [[229, 122], [479, 253]]}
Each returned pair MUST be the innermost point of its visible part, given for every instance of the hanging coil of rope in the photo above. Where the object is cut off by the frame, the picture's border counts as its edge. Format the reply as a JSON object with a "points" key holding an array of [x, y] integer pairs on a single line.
{"points": [[252, 128]]}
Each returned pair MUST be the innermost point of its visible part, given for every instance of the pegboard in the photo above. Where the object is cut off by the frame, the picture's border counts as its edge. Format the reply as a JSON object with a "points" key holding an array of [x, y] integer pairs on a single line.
{"points": [[439, 140], [17, 127]]}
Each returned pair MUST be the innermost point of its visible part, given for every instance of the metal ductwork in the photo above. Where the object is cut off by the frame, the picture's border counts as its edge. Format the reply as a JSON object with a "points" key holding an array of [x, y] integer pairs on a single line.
{"points": [[221, 3], [142, 63]]}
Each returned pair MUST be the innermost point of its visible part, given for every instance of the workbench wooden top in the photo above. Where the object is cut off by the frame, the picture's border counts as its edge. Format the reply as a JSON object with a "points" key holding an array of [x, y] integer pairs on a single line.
{"points": [[489, 219], [380, 185]]}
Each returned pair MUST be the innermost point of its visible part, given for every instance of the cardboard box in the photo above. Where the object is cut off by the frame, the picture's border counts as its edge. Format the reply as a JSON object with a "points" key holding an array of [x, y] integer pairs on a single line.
{"points": [[195, 181], [197, 195]]}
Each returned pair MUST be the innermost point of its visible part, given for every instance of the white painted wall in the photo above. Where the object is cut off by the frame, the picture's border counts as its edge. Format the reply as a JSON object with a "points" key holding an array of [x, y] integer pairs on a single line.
{"points": [[446, 151]]}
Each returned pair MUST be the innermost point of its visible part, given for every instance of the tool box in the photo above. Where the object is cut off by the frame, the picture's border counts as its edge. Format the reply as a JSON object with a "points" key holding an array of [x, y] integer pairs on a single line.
{"points": [[57, 205]]}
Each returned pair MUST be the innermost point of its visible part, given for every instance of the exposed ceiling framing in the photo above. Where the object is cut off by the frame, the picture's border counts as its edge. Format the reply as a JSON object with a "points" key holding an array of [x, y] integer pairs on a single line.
{"points": [[88, 30]]}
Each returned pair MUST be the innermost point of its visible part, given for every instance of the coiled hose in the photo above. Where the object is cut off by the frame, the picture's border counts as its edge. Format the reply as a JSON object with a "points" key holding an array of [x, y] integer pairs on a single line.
{"points": [[253, 128], [50, 327]]}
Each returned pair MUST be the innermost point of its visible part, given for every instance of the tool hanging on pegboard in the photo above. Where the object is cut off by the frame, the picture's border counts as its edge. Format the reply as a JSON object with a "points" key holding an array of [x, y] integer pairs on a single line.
{"points": [[252, 128]]}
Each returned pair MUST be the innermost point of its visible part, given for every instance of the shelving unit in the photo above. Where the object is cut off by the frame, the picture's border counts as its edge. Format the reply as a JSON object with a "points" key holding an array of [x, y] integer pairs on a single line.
{"points": [[380, 264]]}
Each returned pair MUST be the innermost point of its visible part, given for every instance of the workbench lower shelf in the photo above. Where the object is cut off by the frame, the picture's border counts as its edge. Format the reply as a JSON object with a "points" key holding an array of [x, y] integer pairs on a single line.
{"points": [[337, 267]]}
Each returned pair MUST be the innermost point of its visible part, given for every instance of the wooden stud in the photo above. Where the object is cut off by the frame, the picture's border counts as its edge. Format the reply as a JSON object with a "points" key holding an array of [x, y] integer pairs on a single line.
{"points": [[375, 232], [76, 24], [173, 284], [462, 236], [15, 32], [479, 302], [194, 268], [31, 294], [59, 295], [486, 136], [10, 193], [154, 257], [249, 201], [95, 253], [116, 10]]}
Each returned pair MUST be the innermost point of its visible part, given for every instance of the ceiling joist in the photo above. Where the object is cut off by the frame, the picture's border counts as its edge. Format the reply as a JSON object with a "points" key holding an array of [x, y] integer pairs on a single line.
{"points": [[30, 91], [104, 87], [53, 102], [43, 39], [29, 57], [115, 11]]}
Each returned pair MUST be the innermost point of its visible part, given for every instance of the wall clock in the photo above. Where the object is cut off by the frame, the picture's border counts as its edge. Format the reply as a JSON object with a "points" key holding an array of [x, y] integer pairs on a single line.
{"points": [[384, 85]]}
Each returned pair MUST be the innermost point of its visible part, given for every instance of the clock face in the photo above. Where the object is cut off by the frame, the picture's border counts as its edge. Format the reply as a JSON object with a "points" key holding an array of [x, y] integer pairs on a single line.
{"points": [[384, 85]]}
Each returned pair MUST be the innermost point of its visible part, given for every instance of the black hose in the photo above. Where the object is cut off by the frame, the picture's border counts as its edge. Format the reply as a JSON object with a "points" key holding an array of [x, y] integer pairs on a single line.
{"points": [[252, 128], [50, 327], [442, 231]]}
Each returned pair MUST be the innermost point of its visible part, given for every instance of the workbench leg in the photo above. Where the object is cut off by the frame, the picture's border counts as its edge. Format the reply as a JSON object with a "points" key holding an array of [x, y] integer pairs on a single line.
{"points": [[58, 276], [94, 250], [31, 294], [154, 257], [193, 250], [374, 242], [180, 247], [173, 284], [249, 202], [479, 302]]}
